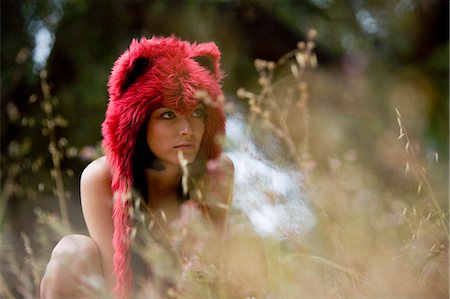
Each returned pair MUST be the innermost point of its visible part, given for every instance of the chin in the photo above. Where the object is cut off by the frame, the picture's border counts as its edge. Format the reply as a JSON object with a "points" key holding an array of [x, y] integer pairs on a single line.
{"points": [[190, 157]]}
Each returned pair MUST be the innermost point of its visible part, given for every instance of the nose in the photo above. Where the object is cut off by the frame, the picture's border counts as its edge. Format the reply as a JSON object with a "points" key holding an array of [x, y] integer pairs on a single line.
{"points": [[185, 126]]}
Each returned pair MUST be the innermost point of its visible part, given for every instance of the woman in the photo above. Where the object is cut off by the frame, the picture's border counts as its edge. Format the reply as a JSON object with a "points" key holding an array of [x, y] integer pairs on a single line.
{"points": [[164, 117]]}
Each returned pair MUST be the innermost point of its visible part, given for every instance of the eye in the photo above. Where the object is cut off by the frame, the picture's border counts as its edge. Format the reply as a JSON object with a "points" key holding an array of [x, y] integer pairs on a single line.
{"points": [[168, 115], [199, 113]]}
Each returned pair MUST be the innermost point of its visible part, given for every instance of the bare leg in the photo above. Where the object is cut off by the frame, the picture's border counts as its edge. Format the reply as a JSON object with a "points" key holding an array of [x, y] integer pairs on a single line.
{"points": [[74, 270]]}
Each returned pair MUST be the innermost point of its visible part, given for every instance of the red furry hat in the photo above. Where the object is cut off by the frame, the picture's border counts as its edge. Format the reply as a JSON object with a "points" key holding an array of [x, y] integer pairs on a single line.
{"points": [[153, 73]]}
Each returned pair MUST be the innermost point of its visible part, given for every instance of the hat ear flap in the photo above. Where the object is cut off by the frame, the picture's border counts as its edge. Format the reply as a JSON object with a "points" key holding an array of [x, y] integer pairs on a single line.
{"points": [[206, 62], [208, 56], [139, 66]]}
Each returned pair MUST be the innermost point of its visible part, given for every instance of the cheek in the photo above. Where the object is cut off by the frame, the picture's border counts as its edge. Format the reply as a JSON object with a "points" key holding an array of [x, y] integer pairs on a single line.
{"points": [[155, 134], [199, 128], [160, 129]]}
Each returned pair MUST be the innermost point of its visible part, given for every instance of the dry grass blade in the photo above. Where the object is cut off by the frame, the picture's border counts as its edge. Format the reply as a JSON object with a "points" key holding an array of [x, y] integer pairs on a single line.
{"points": [[4, 289], [328, 263], [422, 173], [47, 106]]}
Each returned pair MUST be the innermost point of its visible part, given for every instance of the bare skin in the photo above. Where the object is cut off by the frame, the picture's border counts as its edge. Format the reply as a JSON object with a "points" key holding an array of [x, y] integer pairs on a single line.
{"points": [[75, 262], [97, 202]]}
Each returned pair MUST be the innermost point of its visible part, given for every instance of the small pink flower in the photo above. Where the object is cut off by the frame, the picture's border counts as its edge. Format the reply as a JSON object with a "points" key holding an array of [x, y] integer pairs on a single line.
{"points": [[87, 153], [212, 165]]}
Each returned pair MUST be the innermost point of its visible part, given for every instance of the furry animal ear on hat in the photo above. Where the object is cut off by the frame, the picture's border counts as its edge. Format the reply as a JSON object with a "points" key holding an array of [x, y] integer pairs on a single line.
{"points": [[138, 67], [151, 74], [208, 55]]}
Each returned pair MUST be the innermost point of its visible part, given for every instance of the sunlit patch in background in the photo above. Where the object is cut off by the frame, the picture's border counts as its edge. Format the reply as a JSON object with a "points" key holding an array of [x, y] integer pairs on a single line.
{"points": [[42, 29], [271, 196], [44, 40]]}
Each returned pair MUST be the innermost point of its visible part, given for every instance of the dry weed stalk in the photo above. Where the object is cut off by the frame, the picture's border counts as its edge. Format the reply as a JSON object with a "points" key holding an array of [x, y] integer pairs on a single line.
{"points": [[30, 262], [4, 289], [50, 124], [273, 113], [421, 172], [9, 187]]}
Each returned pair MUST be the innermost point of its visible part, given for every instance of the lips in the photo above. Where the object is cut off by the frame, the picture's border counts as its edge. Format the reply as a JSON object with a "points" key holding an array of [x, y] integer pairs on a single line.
{"points": [[185, 146]]}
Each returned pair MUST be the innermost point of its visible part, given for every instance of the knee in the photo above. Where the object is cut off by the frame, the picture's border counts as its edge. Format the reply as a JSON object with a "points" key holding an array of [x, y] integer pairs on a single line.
{"points": [[76, 252], [74, 248], [72, 258]]}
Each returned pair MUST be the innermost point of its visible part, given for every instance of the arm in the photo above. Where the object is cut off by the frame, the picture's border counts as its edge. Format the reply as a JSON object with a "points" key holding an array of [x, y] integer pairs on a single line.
{"points": [[242, 257], [96, 201], [220, 181]]}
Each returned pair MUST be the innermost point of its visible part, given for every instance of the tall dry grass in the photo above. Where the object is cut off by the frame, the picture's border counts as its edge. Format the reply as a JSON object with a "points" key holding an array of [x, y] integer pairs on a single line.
{"points": [[371, 239]]}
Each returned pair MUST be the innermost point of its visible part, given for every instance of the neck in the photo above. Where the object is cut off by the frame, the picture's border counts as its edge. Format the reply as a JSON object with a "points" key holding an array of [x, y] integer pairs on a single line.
{"points": [[163, 186], [163, 182]]}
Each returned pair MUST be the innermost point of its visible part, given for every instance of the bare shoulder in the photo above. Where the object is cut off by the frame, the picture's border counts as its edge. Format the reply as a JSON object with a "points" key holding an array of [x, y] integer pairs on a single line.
{"points": [[224, 167], [97, 171], [96, 180], [226, 162], [220, 178]]}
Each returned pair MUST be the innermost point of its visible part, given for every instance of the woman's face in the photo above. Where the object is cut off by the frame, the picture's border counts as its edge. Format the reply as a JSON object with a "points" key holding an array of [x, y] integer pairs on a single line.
{"points": [[169, 132]]}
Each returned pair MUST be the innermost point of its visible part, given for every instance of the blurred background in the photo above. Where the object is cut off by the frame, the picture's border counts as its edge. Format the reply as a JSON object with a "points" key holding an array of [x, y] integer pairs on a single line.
{"points": [[373, 57]]}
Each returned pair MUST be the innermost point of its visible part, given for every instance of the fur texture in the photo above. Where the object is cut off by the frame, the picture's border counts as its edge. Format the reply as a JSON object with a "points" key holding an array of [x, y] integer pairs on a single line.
{"points": [[153, 73]]}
